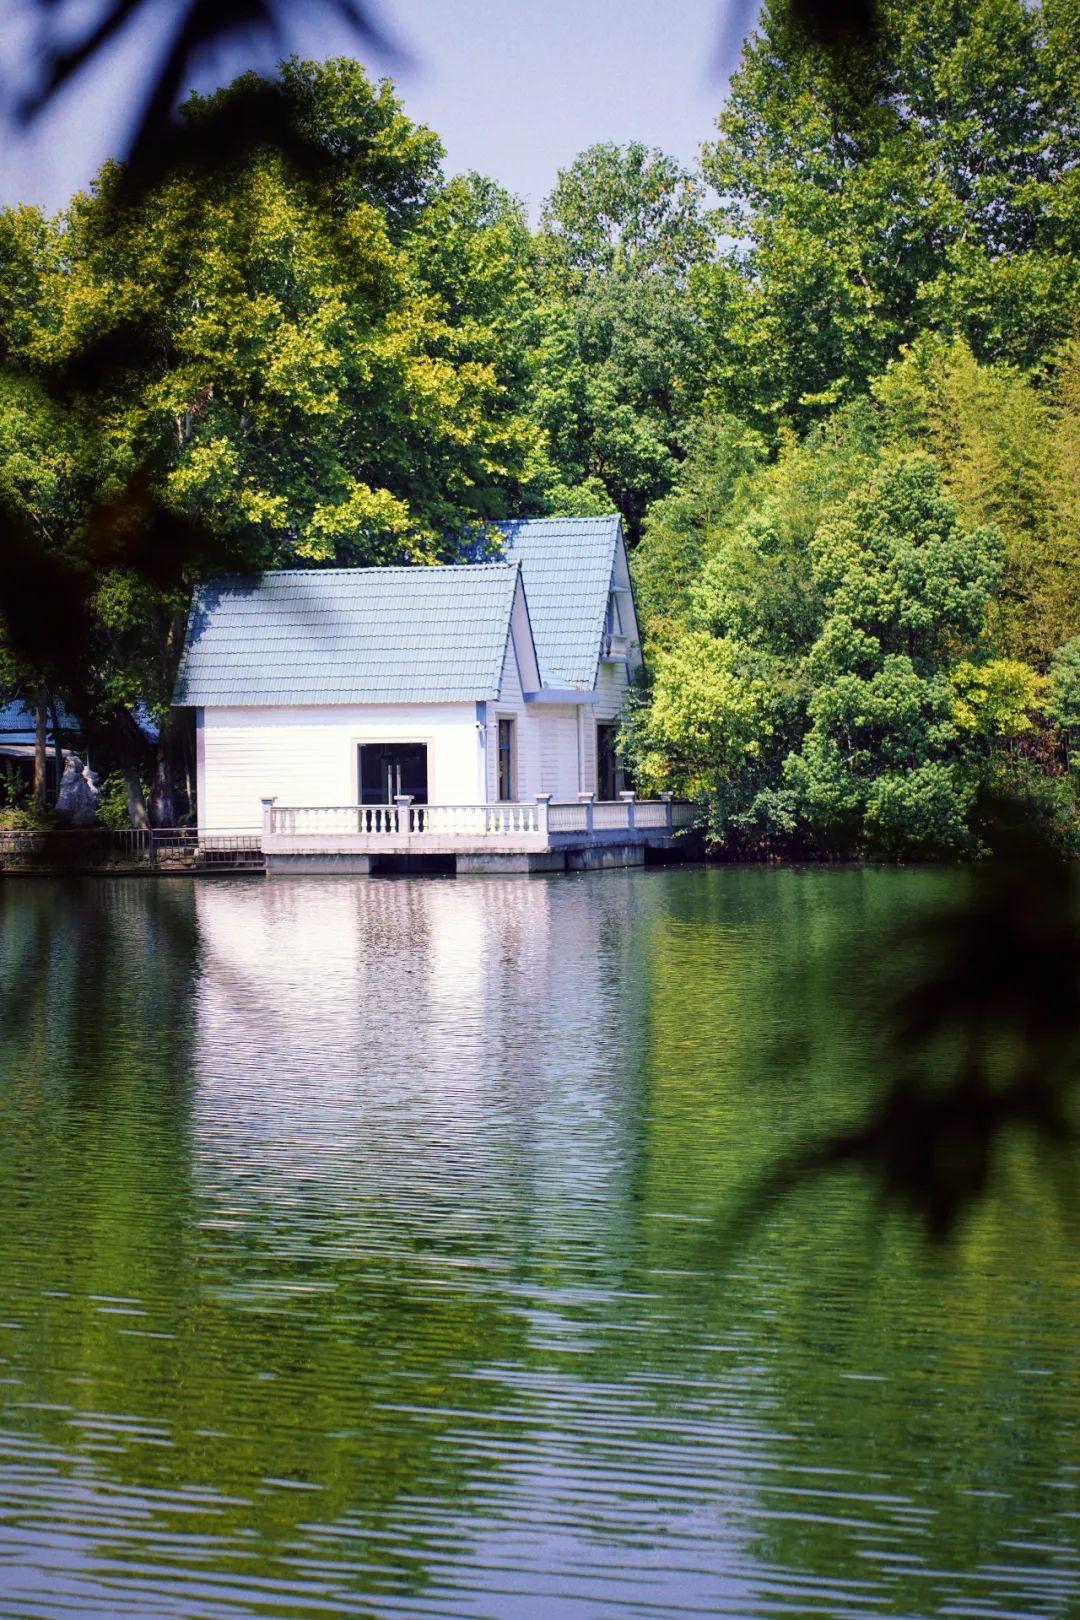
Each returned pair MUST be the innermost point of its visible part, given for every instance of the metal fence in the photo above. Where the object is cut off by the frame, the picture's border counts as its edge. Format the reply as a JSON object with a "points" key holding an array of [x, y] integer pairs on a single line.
{"points": [[130, 849]]}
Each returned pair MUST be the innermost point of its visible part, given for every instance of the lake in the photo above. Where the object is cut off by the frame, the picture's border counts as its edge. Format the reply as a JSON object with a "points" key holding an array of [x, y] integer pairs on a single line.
{"points": [[365, 1250]]}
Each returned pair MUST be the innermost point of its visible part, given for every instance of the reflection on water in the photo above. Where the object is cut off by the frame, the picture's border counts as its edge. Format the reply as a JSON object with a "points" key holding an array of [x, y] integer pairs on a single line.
{"points": [[355, 1258]]}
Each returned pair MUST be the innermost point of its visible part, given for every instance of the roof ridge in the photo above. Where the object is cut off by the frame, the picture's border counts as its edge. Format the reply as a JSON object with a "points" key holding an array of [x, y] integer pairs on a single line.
{"points": [[608, 517], [501, 563]]}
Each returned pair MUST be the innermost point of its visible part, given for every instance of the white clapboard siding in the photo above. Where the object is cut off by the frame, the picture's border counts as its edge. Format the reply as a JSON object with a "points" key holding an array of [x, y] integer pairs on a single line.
{"points": [[546, 740], [308, 756], [558, 726]]}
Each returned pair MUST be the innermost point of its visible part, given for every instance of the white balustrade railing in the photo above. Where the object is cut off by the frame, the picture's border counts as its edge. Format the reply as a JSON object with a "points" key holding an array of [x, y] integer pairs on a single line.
{"points": [[611, 814], [539, 818], [568, 818], [476, 820], [375, 820]]}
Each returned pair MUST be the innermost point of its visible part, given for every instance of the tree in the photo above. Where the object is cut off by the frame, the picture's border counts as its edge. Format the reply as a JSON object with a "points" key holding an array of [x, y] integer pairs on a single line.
{"points": [[617, 373], [318, 363], [833, 687], [922, 179], [681, 527], [630, 206], [614, 391], [1007, 453]]}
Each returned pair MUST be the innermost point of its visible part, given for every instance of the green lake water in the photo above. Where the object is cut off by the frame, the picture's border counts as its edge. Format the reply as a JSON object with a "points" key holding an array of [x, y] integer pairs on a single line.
{"points": [[359, 1256]]}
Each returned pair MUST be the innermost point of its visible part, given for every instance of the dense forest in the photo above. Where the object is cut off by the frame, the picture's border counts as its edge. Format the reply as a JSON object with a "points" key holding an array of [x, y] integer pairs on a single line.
{"points": [[830, 379]]}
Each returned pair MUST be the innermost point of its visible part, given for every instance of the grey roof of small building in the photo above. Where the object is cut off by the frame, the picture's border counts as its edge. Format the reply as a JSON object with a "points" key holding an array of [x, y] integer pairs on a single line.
{"points": [[18, 716], [349, 635], [566, 566]]}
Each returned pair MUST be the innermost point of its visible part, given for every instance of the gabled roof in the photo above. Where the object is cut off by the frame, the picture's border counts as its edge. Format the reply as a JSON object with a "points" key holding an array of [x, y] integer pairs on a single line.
{"points": [[349, 635], [566, 564]]}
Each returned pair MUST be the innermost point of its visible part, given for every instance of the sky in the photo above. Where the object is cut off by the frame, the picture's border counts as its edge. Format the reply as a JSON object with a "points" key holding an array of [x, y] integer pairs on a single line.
{"points": [[515, 88]]}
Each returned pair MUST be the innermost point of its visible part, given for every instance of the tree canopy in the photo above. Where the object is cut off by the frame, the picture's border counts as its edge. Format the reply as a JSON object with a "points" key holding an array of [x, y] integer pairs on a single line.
{"points": [[829, 377]]}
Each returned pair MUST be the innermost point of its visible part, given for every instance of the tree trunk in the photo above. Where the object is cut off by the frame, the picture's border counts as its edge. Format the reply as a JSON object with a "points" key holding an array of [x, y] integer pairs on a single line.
{"points": [[129, 746], [58, 742], [169, 762], [41, 754], [166, 774]]}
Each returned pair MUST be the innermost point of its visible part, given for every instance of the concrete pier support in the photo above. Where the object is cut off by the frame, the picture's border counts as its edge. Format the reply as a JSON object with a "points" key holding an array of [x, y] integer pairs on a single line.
{"points": [[596, 857], [511, 864], [326, 865]]}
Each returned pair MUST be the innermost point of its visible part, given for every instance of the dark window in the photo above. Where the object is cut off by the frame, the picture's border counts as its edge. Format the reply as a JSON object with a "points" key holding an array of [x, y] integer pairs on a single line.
{"points": [[387, 769], [506, 760], [609, 776]]}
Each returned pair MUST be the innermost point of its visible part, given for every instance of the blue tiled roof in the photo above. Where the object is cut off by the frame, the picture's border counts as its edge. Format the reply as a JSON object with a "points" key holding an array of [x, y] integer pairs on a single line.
{"points": [[18, 716], [349, 635], [566, 568]]}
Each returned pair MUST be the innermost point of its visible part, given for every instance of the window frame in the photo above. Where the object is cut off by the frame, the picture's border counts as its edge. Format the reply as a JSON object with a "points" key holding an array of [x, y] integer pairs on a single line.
{"points": [[617, 775], [510, 722]]}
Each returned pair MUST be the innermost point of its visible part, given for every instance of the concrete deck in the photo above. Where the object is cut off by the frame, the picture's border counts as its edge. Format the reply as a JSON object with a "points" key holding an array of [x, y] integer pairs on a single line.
{"points": [[542, 836]]}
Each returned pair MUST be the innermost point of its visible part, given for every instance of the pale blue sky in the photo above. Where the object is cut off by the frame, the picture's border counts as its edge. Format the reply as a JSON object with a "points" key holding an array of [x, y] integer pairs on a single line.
{"points": [[514, 87]]}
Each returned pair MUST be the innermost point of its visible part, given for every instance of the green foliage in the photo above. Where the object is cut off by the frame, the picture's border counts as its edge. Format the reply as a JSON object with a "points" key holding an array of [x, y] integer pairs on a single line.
{"points": [[618, 368], [1064, 686], [112, 806], [681, 526], [326, 365], [833, 687], [1008, 454], [339, 355], [616, 382], [927, 180], [997, 699], [14, 787], [621, 207], [25, 818]]}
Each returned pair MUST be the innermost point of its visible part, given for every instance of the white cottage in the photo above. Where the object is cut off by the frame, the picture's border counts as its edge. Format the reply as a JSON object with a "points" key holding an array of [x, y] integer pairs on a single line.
{"points": [[482, 684]]}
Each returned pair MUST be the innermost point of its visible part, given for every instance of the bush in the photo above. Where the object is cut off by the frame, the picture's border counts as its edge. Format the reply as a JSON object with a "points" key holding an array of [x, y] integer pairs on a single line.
{"points": [[24, 818], [112, 810], [14, 788]]}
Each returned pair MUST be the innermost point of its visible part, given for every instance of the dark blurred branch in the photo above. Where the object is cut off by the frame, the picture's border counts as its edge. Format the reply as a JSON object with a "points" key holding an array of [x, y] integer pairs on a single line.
{"points": [[986, 1043], [194, 28]]}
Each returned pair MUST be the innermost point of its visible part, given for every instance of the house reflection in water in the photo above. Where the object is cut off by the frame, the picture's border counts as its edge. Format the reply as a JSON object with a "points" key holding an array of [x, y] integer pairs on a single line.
{"points": [[435, 1046]]}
